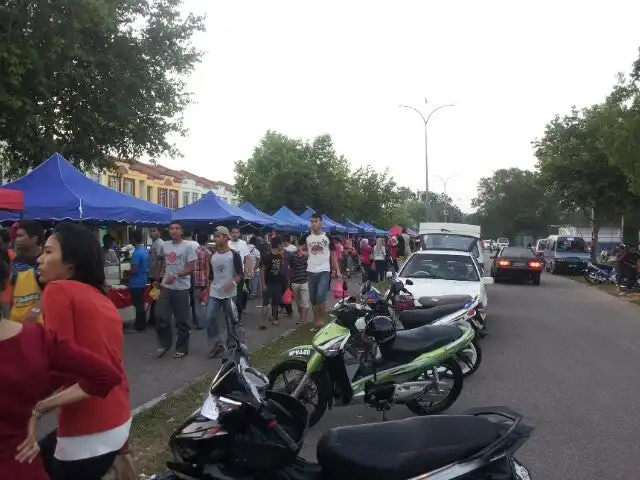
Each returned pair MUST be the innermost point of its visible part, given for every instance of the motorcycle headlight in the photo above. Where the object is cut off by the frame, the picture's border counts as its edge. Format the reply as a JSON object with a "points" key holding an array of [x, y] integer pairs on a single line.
{"points": [[332, 347], [214, 405]]}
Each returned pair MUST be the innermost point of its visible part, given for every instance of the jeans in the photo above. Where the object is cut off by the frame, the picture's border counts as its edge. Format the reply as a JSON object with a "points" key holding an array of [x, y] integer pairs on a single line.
{"points": [[198, 310], [255, 284], [319, 284], [220, 332], [176, 304], [241, 299], [137, 298]]}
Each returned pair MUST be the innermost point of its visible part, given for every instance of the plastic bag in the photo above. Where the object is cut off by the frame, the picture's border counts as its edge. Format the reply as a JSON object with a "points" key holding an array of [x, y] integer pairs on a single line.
{"points": [[287, 297]]}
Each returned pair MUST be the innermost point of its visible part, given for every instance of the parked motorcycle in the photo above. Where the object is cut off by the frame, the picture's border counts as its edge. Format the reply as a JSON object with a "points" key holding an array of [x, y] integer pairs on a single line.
{"points": [[380, 365], [458, 310], [595, 274], [243, 431]]}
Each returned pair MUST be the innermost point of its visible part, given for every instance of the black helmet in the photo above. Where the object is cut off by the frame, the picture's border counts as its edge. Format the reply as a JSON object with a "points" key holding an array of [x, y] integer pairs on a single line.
{"points": [[382, 329]]}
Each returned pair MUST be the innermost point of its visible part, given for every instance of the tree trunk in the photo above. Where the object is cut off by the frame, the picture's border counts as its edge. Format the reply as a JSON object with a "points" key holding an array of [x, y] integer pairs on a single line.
{"points": [[595, 230]]}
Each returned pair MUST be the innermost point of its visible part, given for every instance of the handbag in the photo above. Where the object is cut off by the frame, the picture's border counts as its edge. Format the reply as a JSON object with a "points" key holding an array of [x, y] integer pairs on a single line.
{"points": [[124, 467], [287, 297]]}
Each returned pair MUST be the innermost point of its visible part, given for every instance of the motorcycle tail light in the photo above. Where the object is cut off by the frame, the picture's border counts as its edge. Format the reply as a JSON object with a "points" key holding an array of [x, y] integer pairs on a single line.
{"points": [[471, 312]]}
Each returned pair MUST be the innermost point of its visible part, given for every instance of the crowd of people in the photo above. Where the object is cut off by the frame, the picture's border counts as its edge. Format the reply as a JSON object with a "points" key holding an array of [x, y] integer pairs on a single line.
{"points": [[60, 326]]}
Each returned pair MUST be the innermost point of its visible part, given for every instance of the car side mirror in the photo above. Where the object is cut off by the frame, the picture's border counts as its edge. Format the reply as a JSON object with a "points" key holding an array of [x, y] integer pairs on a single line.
{"points": [[487, 280]]}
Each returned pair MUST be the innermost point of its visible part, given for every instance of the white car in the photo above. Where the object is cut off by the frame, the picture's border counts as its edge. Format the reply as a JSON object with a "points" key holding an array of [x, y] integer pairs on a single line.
{"points": [[503, 242], [430, 273]]}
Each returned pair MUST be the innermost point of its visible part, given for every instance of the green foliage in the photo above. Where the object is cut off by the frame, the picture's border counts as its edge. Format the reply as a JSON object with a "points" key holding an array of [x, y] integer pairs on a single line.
{"points": [[92, 79], [298, 174], [514, 201], [577, 170]]}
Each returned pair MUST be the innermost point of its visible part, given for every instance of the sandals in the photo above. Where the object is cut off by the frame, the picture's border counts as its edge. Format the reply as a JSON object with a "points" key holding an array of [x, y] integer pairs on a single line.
{"points": [[179, 355]]}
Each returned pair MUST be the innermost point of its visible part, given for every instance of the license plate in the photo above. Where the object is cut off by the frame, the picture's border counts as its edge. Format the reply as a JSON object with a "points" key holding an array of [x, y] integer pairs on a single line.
{"points": [[518, 264], [520, 472]]}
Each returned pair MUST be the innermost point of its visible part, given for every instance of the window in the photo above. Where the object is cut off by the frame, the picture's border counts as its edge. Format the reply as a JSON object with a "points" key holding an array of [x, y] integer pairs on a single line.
{"points": [[185, 199], [445, 267], [129, 186], [173, 199], [195, 197], [571, 245], [162, 197], [114, 182], [150, 194]]}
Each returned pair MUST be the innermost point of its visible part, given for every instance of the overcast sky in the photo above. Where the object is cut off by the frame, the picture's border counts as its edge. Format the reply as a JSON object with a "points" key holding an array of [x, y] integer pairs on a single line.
{"points": [[306, 68]]}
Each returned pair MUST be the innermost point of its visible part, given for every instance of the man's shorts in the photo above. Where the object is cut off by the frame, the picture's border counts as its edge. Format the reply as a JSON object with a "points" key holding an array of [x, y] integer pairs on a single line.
{"points": [[301, 294], [272, 295], [319, 284]]}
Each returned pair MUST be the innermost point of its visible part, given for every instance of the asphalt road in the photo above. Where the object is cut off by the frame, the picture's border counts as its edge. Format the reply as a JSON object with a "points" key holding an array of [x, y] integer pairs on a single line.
{"points": [[565, 356]]}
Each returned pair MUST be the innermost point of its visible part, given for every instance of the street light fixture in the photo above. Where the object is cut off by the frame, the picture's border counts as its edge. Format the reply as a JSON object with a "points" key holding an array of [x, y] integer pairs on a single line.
{"points": [[425, 120], [444, 182]]}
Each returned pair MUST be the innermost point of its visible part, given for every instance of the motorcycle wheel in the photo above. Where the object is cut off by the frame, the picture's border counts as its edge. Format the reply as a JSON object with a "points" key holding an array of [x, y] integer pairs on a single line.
{"points": [[318, 382], [452, 372], [470, 358], [591, 278]]}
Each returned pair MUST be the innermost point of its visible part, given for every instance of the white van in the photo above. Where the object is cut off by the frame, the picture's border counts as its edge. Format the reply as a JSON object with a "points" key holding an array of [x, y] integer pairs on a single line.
{"points": [[452, 236], [502, 242]]}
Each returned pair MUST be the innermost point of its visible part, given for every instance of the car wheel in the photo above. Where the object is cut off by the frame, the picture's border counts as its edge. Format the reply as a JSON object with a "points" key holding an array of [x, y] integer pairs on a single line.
{"points": [[536, 279]]}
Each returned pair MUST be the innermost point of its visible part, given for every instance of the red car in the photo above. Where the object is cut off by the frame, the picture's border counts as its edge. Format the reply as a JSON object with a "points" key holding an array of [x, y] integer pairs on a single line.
{"points": [[516, 263]]}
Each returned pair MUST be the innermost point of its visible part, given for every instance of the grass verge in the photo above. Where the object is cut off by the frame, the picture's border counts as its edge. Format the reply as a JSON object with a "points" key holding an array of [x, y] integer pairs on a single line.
{"points": [[151, 429], [609, 288]]}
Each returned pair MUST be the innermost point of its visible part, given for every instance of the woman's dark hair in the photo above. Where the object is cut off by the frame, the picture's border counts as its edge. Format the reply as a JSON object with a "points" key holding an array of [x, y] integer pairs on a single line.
{"points": [[5, 236], [81, 250], [276, 242], [4, 273]]}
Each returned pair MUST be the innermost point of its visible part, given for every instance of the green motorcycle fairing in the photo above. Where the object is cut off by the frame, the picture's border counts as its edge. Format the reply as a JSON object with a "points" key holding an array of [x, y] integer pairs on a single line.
{"points": [[408, 371]]}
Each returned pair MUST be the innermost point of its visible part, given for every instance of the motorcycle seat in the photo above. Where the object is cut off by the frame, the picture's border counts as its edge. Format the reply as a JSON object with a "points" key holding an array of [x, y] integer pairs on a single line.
{"points": [[435, 300], [408, 344], [404, 448], [419, 317]]}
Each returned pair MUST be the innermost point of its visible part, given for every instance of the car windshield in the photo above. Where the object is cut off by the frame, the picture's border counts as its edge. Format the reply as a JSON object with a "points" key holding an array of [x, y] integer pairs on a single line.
{"points": [[443, 241], [444, 267], [571, 245]]}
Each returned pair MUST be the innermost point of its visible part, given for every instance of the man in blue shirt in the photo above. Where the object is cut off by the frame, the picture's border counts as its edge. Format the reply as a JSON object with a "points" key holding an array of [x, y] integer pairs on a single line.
{"points": [[138, 279]]}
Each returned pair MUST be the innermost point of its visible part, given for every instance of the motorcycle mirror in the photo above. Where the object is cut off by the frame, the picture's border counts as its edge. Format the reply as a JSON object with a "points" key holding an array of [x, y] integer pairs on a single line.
{"points": [[408, 282]]}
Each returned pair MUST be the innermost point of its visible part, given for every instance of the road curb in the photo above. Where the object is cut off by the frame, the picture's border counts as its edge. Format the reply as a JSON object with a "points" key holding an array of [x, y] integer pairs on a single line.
{"points": [[155, 401]]}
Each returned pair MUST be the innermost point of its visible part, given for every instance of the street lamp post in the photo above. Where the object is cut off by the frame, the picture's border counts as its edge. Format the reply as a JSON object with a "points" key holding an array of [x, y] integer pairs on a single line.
{"points": [[444, 182], [425, 120]]}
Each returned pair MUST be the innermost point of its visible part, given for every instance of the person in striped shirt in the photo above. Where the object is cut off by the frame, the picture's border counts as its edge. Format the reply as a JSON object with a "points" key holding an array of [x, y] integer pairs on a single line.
{"points": [[299, 284]]}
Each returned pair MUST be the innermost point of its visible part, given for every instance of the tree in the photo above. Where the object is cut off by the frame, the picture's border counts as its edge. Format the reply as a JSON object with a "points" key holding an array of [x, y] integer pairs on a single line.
{"points": [[511, 202], [92, 80], [577, 170], [373, 196], [292, 172]]}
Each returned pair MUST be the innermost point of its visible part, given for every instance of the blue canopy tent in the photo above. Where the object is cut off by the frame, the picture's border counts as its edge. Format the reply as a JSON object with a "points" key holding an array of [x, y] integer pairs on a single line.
{"points": [[377, 231], [353, 226], [286, 215], [211, 209], [367, 228], [273, 221], [326, 220], [56, 190]]}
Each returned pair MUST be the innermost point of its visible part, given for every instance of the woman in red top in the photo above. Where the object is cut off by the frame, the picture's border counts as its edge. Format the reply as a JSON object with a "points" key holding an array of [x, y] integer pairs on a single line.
{"points": [[28, 355], [75, 306]]}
